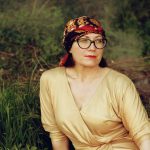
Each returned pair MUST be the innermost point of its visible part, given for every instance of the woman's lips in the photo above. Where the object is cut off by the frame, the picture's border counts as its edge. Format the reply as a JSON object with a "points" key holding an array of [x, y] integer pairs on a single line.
{"points": [[90, 56]]}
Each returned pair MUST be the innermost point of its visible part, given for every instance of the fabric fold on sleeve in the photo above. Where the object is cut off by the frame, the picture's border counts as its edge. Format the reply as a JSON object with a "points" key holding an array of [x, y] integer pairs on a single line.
{"points": [[47, 112], [134, 115]]}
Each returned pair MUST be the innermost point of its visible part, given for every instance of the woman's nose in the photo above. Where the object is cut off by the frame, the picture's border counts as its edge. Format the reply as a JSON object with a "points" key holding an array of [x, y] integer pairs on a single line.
{"points": [[92, 46]]}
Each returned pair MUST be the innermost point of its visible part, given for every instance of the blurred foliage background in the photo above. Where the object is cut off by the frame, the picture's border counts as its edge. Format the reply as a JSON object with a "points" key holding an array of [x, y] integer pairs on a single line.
{"points": [[31, 32]]}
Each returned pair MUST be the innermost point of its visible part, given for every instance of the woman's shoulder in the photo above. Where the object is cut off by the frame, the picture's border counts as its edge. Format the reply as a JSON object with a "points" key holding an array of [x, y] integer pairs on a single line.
{"points": [[53, 73], [118, 77]]}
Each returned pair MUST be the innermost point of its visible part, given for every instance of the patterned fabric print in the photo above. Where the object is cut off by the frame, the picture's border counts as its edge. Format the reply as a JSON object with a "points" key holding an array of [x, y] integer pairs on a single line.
{"points": [[82, 25]]}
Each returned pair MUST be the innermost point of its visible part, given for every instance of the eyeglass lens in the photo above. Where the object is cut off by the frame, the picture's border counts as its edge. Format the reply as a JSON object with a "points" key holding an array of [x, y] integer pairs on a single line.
{"points": [[86, 43]]}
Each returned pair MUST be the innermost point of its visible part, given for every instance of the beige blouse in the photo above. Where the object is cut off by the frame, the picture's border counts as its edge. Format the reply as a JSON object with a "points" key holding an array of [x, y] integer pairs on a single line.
{"points": [[113, 119]]}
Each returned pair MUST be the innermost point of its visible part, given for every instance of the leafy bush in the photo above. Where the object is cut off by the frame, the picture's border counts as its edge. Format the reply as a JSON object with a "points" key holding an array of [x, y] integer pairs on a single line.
{"points": [[123, 44], [30, 30]]}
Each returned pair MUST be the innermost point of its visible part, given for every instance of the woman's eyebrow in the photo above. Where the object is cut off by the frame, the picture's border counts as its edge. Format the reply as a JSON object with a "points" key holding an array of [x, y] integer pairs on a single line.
{"points": [[85, 36], [98, 36]]}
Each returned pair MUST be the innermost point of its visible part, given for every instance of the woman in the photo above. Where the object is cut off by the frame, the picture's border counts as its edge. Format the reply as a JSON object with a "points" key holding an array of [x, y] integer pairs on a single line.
{"points": [[88, 103]]}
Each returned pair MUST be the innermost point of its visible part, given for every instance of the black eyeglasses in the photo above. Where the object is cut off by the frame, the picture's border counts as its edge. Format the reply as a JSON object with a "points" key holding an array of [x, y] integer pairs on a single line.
{"points": [[85, 43]]}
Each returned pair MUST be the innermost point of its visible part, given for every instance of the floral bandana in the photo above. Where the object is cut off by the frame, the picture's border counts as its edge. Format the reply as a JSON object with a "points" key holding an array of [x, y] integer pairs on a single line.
{"points": [[82, 26], [76, 28]]}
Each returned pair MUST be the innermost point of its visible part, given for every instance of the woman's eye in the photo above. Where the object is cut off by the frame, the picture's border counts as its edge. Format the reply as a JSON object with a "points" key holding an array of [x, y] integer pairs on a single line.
{"points": [[99, 41]]}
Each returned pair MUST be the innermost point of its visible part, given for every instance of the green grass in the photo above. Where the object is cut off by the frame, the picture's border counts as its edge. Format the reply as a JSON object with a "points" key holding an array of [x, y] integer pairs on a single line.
{"points": [[20, 124]]}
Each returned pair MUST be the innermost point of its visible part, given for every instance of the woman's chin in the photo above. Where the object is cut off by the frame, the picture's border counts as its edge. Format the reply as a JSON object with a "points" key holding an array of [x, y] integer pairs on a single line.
{"points": [[90, 64]]}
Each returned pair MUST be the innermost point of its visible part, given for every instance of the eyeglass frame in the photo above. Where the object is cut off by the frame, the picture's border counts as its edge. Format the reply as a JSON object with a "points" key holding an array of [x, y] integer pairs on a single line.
{"points": [[91, 41]]}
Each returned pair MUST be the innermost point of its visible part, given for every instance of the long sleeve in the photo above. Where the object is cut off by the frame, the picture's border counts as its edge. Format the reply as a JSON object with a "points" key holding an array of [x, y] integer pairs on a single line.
{"points": [[47, 112], [134, 115]]}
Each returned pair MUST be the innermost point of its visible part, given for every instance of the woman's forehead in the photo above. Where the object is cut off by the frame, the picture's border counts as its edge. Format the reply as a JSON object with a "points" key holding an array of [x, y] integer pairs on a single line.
{"points": [[92, 35]]}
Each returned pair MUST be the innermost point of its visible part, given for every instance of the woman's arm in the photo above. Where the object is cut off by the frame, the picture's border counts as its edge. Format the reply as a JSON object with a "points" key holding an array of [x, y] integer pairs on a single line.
{"points": [[60, 145], [145, 145], [134, 115], [47, 113]]}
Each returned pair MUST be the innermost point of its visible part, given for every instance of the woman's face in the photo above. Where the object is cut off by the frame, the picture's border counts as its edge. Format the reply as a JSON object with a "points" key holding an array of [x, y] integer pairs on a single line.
{"points": [[85, 53]]}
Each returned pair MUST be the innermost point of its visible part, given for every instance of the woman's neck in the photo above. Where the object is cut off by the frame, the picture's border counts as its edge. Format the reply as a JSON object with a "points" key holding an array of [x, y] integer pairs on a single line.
{"points": [[83, 74]]}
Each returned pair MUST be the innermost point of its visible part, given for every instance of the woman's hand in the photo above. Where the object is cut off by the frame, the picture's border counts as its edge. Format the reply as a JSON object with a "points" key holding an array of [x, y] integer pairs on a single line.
{"points": [[60, 145]]}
